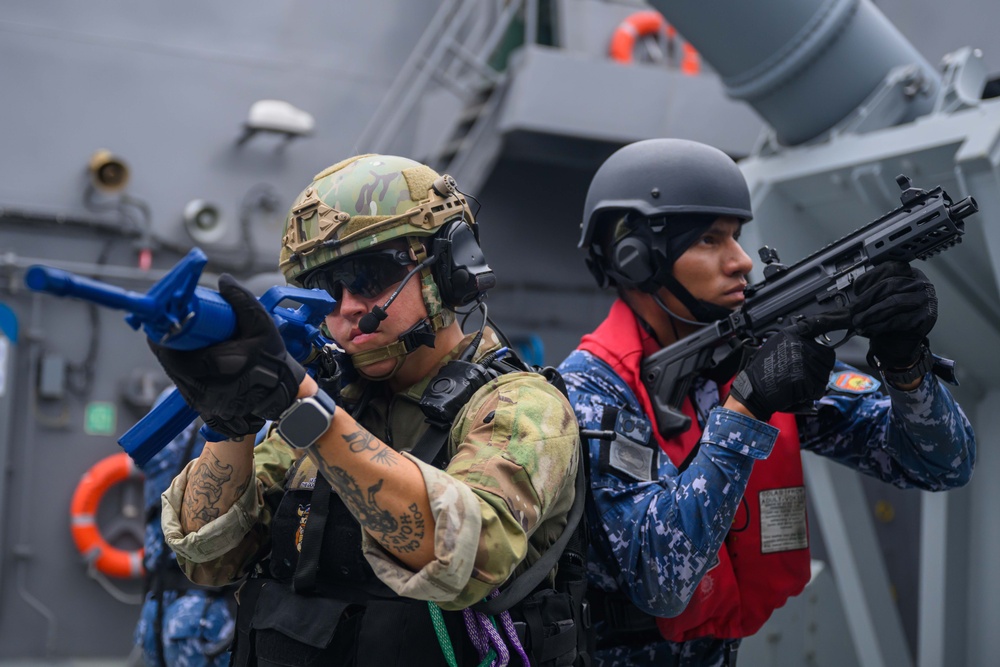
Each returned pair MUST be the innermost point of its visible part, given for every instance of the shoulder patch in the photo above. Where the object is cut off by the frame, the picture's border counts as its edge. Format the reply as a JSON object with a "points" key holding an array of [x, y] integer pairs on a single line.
{"points": [[632, 459], [853, 382], [630, 452]]}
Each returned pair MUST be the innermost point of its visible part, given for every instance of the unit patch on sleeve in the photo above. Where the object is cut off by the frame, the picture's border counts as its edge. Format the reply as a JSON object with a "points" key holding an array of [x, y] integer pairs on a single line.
{"points": [[853, 382], [630, 452], [632, 459]]}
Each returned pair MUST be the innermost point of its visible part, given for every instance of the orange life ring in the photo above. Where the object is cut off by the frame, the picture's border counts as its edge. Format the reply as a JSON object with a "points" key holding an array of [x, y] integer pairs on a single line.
{"points": [[645, 24], [93, 485]]}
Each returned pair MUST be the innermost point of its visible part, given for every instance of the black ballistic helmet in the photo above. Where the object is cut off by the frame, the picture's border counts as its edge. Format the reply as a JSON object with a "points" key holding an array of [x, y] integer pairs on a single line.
{"points": [[662, 181]]}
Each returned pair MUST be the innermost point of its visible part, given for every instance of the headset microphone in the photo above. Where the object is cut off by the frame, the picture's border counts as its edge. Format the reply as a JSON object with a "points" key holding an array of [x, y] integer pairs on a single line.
{"points": [[369, 323]]}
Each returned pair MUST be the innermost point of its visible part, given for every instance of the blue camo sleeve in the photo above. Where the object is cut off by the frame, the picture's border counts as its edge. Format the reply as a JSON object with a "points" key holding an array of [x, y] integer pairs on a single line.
{"points": [[656, 537], [919, 438]]}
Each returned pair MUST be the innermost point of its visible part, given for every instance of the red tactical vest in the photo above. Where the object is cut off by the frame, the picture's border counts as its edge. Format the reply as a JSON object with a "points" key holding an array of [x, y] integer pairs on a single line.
{"points": [[759, 567]]}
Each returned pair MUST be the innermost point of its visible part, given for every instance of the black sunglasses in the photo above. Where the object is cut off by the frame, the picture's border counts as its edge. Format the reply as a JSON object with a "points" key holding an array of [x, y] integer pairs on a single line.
{"points": [[366, 275]]}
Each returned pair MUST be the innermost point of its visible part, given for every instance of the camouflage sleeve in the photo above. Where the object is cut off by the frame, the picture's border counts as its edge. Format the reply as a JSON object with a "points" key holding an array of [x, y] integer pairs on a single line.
{"points": [[919, 438], [222, 551], [504, 496], [457, 518], [656, 530]]}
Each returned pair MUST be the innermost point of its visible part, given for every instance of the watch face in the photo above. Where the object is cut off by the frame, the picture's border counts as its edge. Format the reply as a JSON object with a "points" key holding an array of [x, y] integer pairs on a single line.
{"points": [[304, 425]]}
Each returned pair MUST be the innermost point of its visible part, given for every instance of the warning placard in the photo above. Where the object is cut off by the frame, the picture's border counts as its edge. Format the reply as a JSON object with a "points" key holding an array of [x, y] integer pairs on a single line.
{"points": [[783, 520]]}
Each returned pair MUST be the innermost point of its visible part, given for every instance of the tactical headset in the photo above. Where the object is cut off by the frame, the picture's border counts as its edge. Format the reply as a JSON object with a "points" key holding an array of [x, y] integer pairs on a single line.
{"points": [[459, 268], [460, 272], [662, 185], [643, 258]]}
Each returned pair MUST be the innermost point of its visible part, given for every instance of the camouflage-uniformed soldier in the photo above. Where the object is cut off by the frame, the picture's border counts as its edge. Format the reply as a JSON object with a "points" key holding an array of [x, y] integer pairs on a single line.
{"points": [[692, 552], [360, 551]]}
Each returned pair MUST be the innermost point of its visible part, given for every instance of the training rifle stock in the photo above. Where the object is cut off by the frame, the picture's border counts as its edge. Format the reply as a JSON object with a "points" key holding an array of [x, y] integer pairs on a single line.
{"points": [[178, 314], [926, 223]]}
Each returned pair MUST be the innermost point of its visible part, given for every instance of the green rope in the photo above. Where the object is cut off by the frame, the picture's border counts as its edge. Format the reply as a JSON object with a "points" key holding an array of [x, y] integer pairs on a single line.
{"points": [[437, 619]]}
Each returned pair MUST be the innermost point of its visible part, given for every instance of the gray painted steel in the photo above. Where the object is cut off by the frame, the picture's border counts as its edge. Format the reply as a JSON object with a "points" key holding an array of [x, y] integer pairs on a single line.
{"points": [[8, 382], [168, 87], [839, 506], [551, 114]]}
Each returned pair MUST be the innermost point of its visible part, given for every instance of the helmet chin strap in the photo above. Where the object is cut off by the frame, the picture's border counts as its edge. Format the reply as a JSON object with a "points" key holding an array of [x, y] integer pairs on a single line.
{"points": [[674, 316], [360, 367], [421, 333], [705, 313], [723, 370]]}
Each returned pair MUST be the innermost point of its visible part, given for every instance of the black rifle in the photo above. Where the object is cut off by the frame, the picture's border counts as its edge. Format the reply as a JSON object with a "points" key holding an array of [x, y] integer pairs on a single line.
{"points": [[925, 224]]}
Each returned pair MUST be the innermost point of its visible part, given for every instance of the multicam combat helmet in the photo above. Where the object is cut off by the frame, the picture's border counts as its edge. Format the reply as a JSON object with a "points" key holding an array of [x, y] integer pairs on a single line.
{"points": [[361, 202], [364, 201]]}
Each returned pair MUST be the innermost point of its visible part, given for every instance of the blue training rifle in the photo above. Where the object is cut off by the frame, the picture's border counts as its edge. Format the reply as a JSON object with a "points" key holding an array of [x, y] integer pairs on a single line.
{"points": [[178, 314]]}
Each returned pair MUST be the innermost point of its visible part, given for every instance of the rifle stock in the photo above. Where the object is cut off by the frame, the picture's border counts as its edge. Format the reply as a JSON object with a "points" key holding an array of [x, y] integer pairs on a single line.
{"points": [[926, 223]]}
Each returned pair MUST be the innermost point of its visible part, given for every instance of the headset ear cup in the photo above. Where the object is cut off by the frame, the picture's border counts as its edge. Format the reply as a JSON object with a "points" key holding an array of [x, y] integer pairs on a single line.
{"points": [[630, 263], [461, 272]]}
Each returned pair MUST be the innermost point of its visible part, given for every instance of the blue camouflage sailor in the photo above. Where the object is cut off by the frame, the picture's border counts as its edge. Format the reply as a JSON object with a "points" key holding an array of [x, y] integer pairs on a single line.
{"points": [[700, 533]]}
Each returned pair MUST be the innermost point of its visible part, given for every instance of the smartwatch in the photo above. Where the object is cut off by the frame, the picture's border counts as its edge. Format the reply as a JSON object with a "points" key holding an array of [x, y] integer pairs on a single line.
{"points": [[306, 420]]}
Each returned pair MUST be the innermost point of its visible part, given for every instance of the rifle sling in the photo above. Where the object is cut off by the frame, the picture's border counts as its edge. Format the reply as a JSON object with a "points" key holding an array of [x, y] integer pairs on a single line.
{"points": [[526, 582]]}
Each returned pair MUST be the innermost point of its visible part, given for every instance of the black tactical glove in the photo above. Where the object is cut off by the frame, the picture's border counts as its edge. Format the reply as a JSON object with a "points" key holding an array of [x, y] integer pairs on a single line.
{"points": [[237, 384], [790, 368], [895, 308]]}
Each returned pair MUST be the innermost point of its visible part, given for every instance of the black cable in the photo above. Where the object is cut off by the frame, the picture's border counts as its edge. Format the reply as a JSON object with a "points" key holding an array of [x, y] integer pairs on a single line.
{"points": [[466, 314], [479, 206], [470, 351], [260, 197], [500, 334], [127, 201], [746, 524], [86, 368], [92, 203]]}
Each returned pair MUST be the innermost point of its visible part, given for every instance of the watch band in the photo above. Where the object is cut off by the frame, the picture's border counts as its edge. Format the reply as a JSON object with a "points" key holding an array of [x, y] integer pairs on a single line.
{"points": [[923, 366]]}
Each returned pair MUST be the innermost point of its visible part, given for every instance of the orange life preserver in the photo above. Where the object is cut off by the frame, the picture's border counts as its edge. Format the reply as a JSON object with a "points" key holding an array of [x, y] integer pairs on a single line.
{"points": [[645, 24], [93, 485]]}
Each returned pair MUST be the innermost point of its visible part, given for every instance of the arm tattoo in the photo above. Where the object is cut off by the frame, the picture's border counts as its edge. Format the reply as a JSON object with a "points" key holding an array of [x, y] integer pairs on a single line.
{"points": [[363, 505], [402, 535], [205, 486], [361, 440], [386, 456], [410, 535]]}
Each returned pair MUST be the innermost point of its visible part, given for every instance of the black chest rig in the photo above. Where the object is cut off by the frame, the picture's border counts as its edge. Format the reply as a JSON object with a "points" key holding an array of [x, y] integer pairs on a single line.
{"points": [[318, 601], [312, 526]]}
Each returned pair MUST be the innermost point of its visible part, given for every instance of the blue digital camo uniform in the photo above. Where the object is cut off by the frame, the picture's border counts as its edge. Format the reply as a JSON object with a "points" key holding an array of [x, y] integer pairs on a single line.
{"points": [[918, 439], [197, 625]]}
